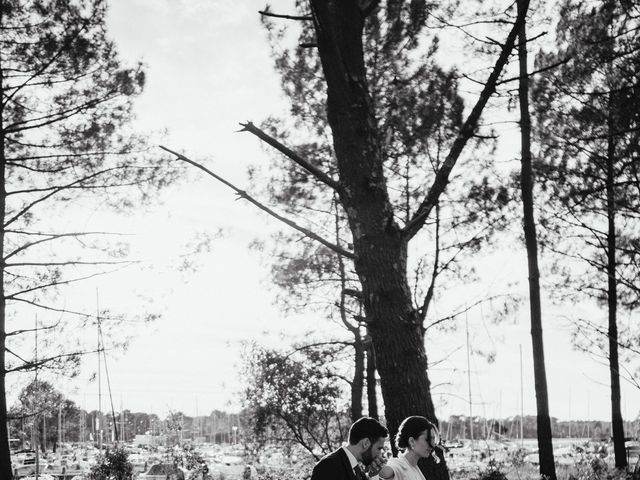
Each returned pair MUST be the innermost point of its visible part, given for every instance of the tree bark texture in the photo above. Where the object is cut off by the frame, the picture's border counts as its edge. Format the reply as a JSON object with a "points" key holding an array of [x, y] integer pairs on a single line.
{"points": [[617, 425], [379, 247], [545, 443]]}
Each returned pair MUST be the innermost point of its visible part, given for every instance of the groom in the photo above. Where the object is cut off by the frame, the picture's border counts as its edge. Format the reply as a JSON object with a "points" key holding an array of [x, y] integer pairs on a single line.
{"points": [[366, 439]]}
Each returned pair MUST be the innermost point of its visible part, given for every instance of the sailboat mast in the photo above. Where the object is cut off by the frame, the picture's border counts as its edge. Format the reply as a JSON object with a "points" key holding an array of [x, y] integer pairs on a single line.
{"points": [[99, 419], [36, 418], [569, 413], [469, 384], [60, 428]]}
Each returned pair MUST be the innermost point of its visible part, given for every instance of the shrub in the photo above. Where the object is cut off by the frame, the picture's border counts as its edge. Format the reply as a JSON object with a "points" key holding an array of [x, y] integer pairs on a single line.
{"points": [[113, 465], [491, 473]]}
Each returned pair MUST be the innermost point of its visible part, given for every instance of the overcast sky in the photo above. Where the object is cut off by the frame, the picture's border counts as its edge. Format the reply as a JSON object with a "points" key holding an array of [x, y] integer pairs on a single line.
{"points": [[208, 68]]}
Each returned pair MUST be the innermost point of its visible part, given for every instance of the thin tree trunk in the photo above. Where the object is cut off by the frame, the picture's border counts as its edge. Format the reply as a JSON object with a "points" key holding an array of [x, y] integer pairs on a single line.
{"points": [[379, 247], [612, 299], [372, 394], [545, 443], [357, 385], [5, 456]]}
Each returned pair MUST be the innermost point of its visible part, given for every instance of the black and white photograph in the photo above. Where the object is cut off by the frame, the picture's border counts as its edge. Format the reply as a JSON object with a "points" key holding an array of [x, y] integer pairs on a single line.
{"points": [[320, 239]]}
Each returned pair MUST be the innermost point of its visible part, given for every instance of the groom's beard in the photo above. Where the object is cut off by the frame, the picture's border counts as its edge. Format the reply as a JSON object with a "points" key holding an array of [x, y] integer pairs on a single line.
{"points": [[367, 456]]}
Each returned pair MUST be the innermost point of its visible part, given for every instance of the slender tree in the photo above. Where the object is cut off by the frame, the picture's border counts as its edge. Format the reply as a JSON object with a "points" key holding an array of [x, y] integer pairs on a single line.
{"points": [[589, 129], [545, 442], [66, 101]]}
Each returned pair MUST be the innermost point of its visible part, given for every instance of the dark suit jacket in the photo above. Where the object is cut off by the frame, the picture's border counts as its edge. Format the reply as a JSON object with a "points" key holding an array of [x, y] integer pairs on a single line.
{"points": [[334, 466]]}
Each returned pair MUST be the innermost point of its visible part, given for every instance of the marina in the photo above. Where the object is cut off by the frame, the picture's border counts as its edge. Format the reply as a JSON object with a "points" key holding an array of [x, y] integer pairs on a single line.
{"points": [[206, 461]]}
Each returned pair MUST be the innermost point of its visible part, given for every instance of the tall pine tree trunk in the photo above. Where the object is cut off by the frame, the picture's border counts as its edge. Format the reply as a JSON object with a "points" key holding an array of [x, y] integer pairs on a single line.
{"points": [[379, 244], [545, 443], [612, 296], [379, 247]]}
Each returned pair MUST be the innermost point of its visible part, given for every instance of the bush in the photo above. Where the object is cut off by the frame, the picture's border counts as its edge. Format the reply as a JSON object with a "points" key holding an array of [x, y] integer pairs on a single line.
{"points": [[491, 473], [596, 468], [301, 470], [113, 465]]}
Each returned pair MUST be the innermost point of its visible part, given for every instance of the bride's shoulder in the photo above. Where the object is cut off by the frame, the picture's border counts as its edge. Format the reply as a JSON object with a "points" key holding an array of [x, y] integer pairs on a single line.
{"points": [[398, 463]]}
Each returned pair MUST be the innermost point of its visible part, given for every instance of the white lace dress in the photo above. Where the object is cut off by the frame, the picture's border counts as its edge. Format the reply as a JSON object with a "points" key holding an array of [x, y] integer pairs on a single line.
{"points": [[403, 470]]}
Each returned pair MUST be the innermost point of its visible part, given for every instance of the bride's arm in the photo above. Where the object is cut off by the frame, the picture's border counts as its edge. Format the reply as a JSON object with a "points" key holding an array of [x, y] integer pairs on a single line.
{"points": [[386, 473]]}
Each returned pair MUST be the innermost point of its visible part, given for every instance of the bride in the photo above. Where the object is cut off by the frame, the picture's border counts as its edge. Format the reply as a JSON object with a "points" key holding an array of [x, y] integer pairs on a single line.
{"points": [[416, 438]]}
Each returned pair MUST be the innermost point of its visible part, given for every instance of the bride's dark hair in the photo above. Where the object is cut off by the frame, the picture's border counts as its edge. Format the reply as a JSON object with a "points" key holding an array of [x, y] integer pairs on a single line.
{"points": [[412, 427]]}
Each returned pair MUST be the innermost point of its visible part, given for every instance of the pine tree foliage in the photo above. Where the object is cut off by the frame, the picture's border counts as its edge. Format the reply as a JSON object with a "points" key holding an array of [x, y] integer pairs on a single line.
{"points": [[590, 101], [65, 146], [589, 128], [66, 106], [419, 113], [66, 100], [580, 105], [294, 398]]}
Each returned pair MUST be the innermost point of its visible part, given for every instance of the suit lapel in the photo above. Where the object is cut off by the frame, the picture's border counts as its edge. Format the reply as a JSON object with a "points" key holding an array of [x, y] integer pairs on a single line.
{"points": [[350, 474]]}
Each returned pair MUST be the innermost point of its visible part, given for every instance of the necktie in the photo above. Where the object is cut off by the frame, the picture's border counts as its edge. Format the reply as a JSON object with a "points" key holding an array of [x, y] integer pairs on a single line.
{"points": [[360, 475]]}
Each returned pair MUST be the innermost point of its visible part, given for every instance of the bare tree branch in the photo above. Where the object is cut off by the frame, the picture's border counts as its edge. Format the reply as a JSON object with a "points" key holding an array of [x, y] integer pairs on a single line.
{"points": [[29, 330], [14, 296], [51, 309], [434, 272], [8, 350], [315, 171], [242, 194], [463, 310], [318, 344], [55, 117], [601, 331], [466, 132], [535, 72], [49, 238], [70, 262], [267, 13], [44, 361], [353, 293], [50, 194]]}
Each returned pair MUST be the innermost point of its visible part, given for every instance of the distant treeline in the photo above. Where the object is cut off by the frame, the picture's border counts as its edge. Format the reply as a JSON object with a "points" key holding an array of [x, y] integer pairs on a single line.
{"points": [[64, 422], [69, 424], [459, 427]]}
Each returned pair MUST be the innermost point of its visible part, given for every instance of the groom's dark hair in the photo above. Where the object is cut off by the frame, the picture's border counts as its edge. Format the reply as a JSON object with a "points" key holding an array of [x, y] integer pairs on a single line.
{"points": [[366, 427]]}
